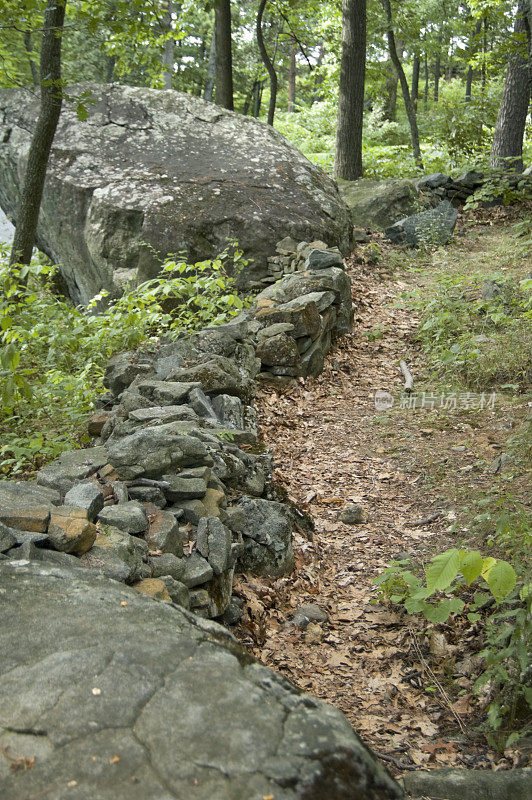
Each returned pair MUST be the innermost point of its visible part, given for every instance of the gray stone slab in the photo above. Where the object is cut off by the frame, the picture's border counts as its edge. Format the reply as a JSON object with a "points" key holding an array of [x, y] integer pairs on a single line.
{"points": [[188, 712]]}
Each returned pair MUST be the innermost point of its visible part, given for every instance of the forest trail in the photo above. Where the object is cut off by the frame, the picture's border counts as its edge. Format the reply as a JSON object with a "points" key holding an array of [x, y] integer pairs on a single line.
{"points": [[409, 696]]}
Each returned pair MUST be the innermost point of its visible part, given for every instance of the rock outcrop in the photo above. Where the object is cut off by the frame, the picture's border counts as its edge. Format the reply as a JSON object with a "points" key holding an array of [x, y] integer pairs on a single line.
{"points": [[151, 173], [106, 693]]}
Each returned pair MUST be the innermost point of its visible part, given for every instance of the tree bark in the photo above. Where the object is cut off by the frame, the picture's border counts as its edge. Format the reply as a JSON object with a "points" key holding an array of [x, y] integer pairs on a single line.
{"points": [[415, 79], [426, 93], [292, 76], [437, 75], [472, 50], [208, 90], [389, 109], [43, 135], [409, 106], [507, 147], [169, 45], [224, 55], [348, 151], [267, 63]]}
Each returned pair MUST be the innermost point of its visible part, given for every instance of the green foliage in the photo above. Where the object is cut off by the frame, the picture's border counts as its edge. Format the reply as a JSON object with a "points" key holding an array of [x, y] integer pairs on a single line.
{"points": [[500, 187], [483, 342], [463, 129], [53, 355], [447, 573], [508, 629]]}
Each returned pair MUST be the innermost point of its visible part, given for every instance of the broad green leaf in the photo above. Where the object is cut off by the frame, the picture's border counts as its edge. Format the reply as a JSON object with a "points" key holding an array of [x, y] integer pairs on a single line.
{"points": [[443, 570], [487, 565], [471, 565], [501, 579]]}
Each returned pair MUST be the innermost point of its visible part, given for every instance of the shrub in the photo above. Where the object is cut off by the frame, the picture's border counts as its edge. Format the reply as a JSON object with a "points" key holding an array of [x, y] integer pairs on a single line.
{"points": [[53, 355]]}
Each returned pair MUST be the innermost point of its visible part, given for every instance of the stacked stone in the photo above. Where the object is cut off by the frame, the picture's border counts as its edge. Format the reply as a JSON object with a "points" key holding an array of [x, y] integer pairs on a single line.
{"points": [[291, 256], [458, 190], [296, 319], [172, 499]]}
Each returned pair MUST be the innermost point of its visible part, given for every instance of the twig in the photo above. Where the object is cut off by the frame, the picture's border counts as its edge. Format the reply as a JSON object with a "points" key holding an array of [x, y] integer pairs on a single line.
{"points": [[396, 762], [436, 681], [426, 520], [409, 381]]}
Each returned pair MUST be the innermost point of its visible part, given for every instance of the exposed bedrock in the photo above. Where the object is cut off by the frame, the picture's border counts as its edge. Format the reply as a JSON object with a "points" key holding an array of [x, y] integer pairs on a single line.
{"points": [[110, 694]]}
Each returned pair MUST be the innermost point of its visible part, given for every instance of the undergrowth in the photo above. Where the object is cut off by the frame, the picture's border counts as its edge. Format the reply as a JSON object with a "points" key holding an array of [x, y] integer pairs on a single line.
{"points": [[53, 354]]}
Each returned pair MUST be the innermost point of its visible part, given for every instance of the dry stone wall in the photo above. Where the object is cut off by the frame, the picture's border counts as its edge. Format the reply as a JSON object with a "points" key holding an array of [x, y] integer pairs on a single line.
{"points": [[177, 492]]}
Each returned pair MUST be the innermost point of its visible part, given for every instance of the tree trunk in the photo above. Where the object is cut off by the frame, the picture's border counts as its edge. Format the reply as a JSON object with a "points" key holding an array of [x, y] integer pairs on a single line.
{"points": [[472, 50], [348, 151], [224, 55], [208, 90], [507, 147], [415, 79], [437, 75], [43, 134], [169, 45], [267, 63], [409, 106], [292, 76], [426, 94], [389, 109]]}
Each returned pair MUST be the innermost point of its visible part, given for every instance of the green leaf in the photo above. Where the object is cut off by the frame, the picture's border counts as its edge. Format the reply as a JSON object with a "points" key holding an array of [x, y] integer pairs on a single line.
{"points": [[501, 579], [443, 570], [471, 565]]}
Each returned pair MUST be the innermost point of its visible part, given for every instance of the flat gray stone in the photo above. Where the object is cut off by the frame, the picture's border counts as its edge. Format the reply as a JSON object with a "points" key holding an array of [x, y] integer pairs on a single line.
{"points": [[91, 669], [25, 493], [429, 228], [129, 517], [465, 784], [72, 467], [164, 534], [322, 259], [214, 542], [154, 451], [167, 564], [184, 488], [87, 496], [197, 571], [8, 538]]}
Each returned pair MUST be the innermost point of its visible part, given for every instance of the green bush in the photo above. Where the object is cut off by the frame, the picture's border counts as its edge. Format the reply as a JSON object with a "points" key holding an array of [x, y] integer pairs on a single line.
{"points": [[463, 582], [53, 355]]}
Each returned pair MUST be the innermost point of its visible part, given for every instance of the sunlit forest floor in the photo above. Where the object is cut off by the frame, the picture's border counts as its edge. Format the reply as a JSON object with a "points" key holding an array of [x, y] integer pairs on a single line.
{"points": [[441, 474]]}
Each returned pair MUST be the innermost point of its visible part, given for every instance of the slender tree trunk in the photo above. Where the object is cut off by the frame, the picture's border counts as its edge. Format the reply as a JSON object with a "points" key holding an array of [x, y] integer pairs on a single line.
{"points": [[415, 79], [437, 75], [292, 76], [110, 62], [507, 147], [43, 134], [33, 66], [426, 93], [267, 63], [169, 46], [224, 55], [473, 41], [318, 80], [409, 106], [389, 110], [208, 90], [348, 153]]}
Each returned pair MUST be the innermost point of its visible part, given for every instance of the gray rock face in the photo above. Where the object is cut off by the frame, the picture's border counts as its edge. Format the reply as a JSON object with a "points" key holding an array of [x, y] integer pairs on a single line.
{"points": [[87, 496], [267, 537], [168, 170], [429, 228], [188, 712], [465, 784], [72, 467], [153, 451], [129, 516], [378, 204]]}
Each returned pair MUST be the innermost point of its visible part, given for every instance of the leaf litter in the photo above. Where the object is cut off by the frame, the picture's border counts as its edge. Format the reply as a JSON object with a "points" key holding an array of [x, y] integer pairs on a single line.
{"points": [[331, 447]]}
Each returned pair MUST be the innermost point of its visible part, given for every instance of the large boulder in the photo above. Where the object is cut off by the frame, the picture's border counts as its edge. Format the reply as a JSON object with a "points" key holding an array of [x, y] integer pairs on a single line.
{"points": [[378, 204], [163, 170], [107, 693]]}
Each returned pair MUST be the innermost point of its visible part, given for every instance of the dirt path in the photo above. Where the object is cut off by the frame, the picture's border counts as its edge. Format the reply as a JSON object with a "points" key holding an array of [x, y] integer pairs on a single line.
{"points": [[331, 446]]}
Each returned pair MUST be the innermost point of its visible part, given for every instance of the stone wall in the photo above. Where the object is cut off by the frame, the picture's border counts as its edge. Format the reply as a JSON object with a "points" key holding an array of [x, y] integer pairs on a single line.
{"points": [[177, 493]]}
